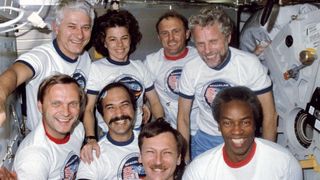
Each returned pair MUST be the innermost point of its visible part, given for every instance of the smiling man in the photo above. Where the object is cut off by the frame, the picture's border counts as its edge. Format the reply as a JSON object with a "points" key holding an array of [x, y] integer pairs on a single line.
{"points": [[218, 67], [119, 147], [162, 149], [52, 150], [242, 156], [65, 54]]}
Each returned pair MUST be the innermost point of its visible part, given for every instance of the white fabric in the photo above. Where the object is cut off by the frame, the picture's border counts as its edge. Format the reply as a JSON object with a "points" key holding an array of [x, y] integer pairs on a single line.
{"points": [[253, 33], [133, 73], [165, 75], [40, 158], [203, 83], [114, 159], [270, 161], [45, 61]]}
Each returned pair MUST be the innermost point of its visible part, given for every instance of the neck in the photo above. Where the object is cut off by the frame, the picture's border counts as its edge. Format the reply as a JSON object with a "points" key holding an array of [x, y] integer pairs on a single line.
{"points": [[121, 137], [178, 56]]}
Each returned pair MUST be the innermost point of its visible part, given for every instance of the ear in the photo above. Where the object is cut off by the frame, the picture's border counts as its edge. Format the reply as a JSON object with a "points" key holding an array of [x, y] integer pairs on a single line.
{"points": [[105, 44], [140, 159], [187, 34], [39, 105], [229, 38], [55, 27], [179, 160]]}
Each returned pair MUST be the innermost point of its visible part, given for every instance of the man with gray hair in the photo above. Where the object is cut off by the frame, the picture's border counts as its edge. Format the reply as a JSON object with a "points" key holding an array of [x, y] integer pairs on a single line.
{"points": [[221, 67], [65, 54]]}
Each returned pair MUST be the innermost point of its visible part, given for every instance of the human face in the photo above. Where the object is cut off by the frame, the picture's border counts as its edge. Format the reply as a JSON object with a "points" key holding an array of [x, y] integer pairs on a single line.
{"points": [[211, 43], [60, 109], [159, 156], [237, 127], [173, 36], [73, 33], [118, 113], [118, 43]]}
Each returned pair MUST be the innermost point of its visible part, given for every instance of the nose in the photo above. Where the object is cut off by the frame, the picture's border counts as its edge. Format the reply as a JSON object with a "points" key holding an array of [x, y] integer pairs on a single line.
{"points": [[237, 129], [65, 110], [207, 49], [171, 36], [158, 158], [119, 43], [118, 112], [79, 33]]}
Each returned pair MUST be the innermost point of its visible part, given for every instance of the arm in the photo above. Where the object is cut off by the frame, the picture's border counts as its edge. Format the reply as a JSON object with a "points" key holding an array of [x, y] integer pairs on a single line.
{"points": [[5, 174], [89, 126], [15, 75], [183, 121], [155, 105], [269, 123], [32, 163]]}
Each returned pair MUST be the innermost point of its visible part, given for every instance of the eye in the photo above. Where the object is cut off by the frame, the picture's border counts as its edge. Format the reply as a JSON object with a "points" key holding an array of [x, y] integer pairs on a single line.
{"points": [[56, 104], [72, 27], [86, 28], [163, 33], [176, 31], [167, 152], [75, 104], [226, 123], [246, 123]]}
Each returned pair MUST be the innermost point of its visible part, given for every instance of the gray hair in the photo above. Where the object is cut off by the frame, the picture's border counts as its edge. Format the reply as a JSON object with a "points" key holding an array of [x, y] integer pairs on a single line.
{"points": [[76, 5], [209, 16]]}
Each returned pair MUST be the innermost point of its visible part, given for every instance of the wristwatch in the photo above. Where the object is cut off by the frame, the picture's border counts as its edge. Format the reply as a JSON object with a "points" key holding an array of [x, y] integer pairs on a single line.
{"points": [[89, 138]]}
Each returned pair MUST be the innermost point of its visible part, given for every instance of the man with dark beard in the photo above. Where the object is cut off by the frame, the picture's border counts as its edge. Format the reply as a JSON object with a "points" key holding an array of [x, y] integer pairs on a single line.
{"points": [[119, 147]]}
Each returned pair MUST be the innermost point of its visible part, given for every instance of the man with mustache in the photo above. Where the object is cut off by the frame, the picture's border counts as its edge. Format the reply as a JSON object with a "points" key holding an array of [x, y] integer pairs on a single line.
{"points": [[119, 146], [162, 149], [243, 156], [218, 67]]}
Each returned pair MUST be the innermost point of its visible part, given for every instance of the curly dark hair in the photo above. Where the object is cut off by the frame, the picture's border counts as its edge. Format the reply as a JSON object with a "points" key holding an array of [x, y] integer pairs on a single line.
{"points": [[115, 18]]}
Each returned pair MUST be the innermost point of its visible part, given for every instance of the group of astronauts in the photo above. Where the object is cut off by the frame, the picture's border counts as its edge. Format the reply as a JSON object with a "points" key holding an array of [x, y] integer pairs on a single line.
{"points": [[206, 103]]}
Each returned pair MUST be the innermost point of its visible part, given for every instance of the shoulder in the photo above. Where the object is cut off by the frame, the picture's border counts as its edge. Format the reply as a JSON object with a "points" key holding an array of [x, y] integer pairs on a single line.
{"points": [[275, 149], [155, 55]]}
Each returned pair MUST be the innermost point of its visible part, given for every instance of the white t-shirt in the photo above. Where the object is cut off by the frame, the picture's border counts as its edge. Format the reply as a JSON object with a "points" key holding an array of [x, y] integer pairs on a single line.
{"points": [[203, 83], [39, 157], [166, 74], [117, 161], [46, 60], [132, 73], [269, 161]]}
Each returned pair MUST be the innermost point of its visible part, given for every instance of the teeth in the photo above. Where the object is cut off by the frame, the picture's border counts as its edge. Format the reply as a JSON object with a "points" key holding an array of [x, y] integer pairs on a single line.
{"points": [[238, 141]]}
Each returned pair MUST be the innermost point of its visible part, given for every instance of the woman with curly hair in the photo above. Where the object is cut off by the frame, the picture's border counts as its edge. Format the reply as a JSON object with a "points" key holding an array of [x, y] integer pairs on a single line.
{"points": [[115, 36]]}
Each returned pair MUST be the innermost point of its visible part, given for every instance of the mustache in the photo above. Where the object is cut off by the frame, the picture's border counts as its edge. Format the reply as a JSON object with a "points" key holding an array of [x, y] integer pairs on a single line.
{"points": [[118, 118], [158, 166]]}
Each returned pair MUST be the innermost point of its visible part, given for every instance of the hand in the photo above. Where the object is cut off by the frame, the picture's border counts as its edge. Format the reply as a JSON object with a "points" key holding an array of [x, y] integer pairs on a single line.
{"points": [[86, 153], [260, 47], [2, 114], [5, 174]]}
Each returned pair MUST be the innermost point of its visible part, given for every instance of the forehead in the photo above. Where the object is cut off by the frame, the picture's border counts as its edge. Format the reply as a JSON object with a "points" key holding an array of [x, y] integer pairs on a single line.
{"points": [[118, 30], [62, 90], [170, 22], [76, 16], [161, 141], [116, 94], [236, 108]]}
